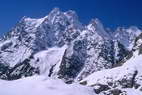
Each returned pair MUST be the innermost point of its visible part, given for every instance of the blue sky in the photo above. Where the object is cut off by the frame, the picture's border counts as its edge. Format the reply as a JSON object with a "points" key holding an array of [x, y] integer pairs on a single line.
{"points": [[112, 13]]}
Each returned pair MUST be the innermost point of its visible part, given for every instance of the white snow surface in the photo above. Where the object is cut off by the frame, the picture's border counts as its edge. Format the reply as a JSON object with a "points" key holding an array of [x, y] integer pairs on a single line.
{"points": [[40, 85], [133, 91], [34, 22], [48, 59]]}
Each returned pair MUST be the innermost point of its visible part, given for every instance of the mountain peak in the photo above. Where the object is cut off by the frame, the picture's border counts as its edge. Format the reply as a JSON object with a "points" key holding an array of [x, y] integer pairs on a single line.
{"points": [[127, 36], [95, 21], [96, 26], [71, 15], [55, 10]]}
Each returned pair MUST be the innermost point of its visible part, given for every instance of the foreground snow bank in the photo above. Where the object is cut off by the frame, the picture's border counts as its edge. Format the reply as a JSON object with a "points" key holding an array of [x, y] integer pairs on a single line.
{"points": [[39, 85]]}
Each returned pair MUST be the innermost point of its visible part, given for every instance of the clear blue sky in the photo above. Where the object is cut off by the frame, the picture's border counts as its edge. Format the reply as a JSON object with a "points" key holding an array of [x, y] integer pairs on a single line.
{"points": [[112, 13]]}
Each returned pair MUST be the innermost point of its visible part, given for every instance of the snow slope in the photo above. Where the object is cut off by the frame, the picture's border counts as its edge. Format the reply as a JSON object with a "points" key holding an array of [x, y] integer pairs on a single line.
{"points": [[48, 59], [133, 92], [40, 85]]}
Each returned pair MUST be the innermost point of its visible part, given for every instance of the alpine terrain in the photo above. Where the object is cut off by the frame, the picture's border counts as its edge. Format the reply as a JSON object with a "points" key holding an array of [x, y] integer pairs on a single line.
{"points": [[58, 55]]}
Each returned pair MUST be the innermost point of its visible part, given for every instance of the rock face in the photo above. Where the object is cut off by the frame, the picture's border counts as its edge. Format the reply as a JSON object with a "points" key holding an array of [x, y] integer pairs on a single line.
{"points": [[59, 46]]}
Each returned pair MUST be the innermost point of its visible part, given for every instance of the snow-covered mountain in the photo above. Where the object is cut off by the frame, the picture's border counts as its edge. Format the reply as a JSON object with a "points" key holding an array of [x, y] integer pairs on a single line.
{"points": [[31, 36], [59, 46]]}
